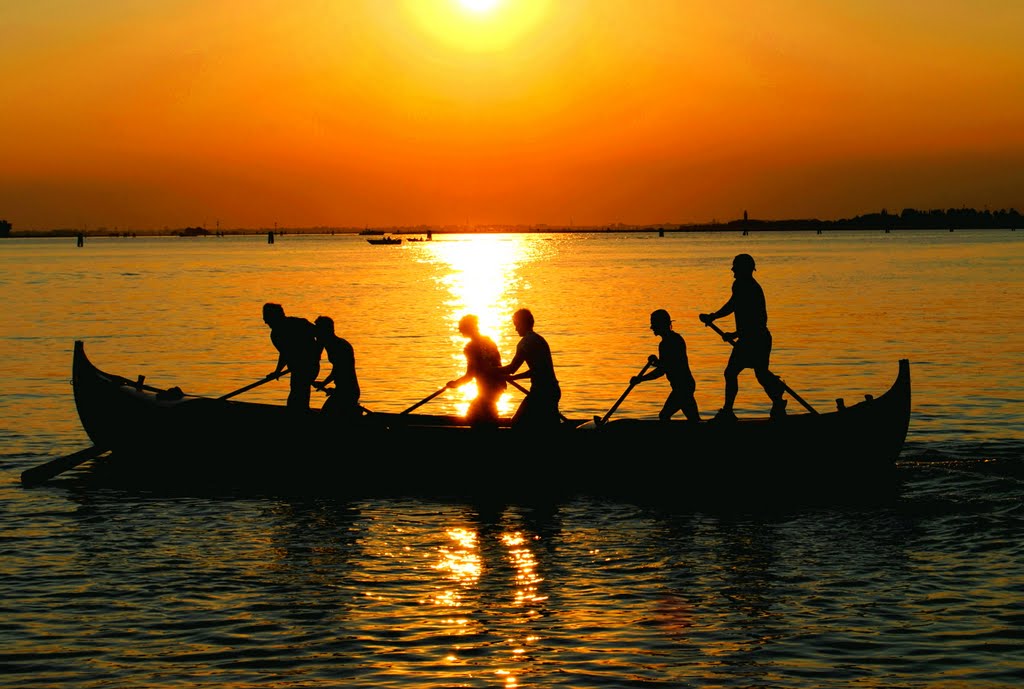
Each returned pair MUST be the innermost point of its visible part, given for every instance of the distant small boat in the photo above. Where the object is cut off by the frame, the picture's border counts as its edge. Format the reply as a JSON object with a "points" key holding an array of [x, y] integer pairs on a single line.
{"points": [[385, 240]]}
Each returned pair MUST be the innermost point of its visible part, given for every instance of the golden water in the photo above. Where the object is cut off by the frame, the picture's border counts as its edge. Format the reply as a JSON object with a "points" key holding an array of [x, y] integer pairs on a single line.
{"points": [[118, 588]]}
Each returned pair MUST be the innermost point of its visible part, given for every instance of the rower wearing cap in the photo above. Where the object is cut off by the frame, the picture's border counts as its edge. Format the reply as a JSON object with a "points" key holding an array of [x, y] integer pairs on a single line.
{"points": [[673, 363], [752, 341]]}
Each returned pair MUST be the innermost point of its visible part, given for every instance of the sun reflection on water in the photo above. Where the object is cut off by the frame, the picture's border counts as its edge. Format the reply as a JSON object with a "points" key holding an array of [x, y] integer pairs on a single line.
{"points": [[525, 564], [482, 279], [461, 562], [473, 562]]}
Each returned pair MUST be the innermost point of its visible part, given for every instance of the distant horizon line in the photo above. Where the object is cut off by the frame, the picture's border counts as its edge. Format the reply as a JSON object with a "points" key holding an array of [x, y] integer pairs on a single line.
{"points": [[909, 218]]}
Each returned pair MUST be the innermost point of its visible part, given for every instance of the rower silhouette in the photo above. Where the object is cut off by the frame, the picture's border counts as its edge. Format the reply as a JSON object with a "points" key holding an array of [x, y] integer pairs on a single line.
{"points": [[752, 341]]}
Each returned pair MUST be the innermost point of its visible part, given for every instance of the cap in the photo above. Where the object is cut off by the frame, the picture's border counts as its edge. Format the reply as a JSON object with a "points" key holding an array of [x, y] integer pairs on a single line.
{"points": [[660, 316], [744, 261]]}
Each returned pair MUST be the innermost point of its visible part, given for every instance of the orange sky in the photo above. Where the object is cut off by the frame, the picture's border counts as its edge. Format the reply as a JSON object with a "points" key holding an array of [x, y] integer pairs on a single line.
{"points": [[141, 115]]}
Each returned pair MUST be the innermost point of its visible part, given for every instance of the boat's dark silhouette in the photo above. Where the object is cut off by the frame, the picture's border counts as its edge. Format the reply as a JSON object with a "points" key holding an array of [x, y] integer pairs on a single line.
{"points": [[159, 439]]}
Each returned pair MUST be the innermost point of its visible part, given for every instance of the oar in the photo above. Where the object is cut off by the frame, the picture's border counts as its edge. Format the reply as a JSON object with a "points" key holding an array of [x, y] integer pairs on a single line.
{"points": [[44, 472], [523, 390], [601, 421], [425, 400], [250, 386], [785, 387]]}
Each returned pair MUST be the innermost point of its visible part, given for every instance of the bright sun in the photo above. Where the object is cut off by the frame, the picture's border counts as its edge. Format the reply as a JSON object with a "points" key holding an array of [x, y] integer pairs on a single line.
{"points": [[479, 5], [477, 26]]}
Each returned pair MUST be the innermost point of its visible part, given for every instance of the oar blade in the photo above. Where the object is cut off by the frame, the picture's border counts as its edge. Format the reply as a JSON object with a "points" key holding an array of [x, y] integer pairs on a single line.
{"points": [[44, 472]]}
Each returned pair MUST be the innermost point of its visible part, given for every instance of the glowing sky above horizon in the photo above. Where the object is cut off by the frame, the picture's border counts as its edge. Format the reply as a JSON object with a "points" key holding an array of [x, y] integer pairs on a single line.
{"points": [[352, 113]]}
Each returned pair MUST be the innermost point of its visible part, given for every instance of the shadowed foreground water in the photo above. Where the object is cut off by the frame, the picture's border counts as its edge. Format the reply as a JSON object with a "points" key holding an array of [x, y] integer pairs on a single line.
{"points": [[113, 589]]}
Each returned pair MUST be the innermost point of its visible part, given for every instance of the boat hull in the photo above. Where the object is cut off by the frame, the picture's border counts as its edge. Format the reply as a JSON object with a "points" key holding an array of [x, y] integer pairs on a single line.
{"points": [[164, 439]]}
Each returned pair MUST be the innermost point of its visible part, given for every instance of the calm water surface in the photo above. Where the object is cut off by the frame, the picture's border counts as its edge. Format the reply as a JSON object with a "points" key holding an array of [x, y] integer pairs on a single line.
{"points": [[114, 588]]}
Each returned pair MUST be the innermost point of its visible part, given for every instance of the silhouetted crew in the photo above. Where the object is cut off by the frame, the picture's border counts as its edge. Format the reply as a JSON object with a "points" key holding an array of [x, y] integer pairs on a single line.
{"points": [[539, 409], [482, 362], [343, 398], [752, 339], [298, 349], [673, 363]]}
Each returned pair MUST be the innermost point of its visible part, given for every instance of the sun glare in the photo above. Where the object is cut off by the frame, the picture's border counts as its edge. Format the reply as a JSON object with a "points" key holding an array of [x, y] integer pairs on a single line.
{"points": [[480, 6], [481, 278], [477, 26]]}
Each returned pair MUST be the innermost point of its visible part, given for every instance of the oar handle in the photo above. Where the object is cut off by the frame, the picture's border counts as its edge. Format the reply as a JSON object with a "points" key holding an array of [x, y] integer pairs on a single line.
{"points": [[624, 394], [519, 387], [721, 333], [425, 400], [785, 387], [250, 386]]}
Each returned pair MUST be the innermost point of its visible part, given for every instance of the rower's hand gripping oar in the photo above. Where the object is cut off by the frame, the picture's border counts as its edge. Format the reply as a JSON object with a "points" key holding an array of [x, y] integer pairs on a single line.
{"points": [[601, 421], [732, 341], [250, 386]]}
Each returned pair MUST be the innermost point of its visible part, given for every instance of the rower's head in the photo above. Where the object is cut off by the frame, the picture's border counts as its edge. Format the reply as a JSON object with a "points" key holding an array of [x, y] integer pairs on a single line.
{"points": [[743, 264], [324, 325], [272, 313], [469, 326], [660, 321], [523, 321]]}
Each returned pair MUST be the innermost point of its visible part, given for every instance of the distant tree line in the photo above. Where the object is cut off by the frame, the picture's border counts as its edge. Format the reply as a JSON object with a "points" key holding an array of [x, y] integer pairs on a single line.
{"points": [[5, 228], [907, 219]]}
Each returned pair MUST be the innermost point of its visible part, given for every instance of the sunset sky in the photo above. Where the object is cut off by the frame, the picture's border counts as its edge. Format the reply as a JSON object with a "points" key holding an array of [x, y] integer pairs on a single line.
{"points": [[144, 114]]}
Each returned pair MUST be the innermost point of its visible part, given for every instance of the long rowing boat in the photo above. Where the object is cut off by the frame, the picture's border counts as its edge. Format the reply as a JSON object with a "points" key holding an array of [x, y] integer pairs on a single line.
{"points": [[167, 436]]}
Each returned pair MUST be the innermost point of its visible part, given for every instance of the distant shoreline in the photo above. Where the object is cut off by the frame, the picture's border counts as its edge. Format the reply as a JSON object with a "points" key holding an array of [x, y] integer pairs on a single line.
{"points": [[908, 220], [708, 229]]}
